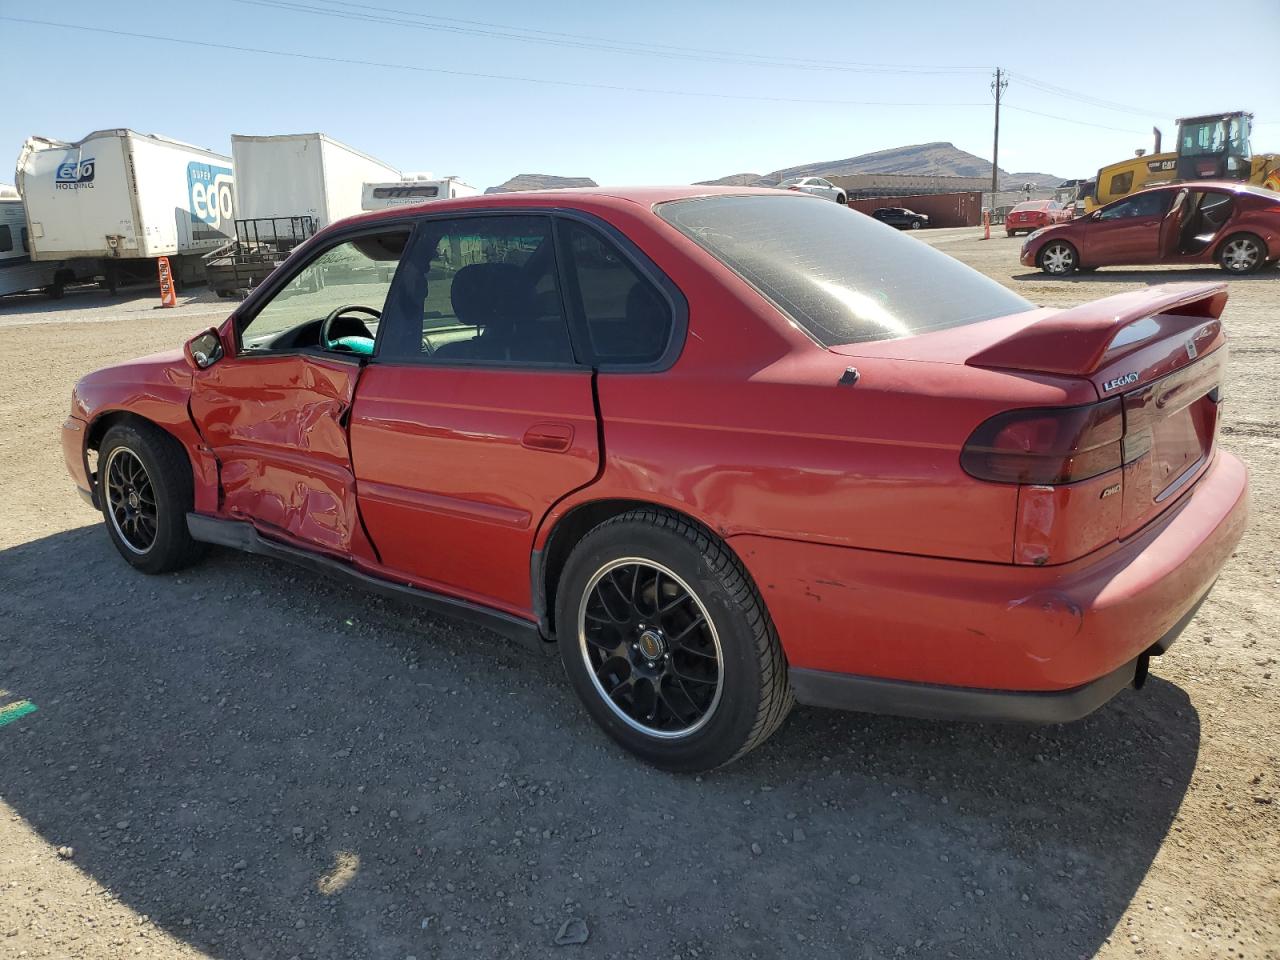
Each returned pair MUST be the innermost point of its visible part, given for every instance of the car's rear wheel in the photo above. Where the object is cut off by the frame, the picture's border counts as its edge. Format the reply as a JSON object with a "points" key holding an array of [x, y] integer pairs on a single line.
{"points": [[145, 489], [1242, 253], [668, 644], [1058, 258]]}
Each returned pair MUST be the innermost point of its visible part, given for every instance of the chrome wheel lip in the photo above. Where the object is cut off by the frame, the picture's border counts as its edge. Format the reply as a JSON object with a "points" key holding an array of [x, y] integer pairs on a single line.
{"points": [[130, 500], [585, 652]]}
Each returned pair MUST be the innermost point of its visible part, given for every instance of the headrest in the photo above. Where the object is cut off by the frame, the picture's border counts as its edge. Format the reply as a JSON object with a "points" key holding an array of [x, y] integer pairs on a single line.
{"points": [[491, 295]]}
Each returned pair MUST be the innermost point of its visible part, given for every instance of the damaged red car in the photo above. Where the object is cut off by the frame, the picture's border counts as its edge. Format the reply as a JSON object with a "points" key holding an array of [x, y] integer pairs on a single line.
{"points": [[725, 449]]}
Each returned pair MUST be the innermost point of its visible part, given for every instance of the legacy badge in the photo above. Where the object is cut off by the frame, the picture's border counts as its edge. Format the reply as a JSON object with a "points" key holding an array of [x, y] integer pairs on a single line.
{"points": [[1118, 382]]}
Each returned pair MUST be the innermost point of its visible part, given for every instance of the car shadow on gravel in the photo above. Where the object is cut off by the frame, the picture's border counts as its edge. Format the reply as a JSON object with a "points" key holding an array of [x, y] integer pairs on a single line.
{"points": [[269, 764]]}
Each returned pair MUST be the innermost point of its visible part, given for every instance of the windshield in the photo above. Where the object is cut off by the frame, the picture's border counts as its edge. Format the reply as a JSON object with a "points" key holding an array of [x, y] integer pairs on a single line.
{"points": [[1213, 137], [842, 276], [791, 181]]}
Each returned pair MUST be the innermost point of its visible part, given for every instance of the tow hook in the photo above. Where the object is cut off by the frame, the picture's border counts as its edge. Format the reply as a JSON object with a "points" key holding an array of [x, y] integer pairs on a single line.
{"points": [[1140, 674]]}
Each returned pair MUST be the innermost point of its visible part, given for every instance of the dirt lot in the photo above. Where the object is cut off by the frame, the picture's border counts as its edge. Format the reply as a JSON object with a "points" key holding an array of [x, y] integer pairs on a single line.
{"points": [[250, 761]]}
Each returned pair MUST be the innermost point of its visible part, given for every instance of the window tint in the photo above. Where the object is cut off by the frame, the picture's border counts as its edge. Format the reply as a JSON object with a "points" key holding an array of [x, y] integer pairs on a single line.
{"points": [[6, 239], [488, 291], [26, 241], [1141, 205], [844, 278], [1122, 182], [627, 319], [355, 273]]}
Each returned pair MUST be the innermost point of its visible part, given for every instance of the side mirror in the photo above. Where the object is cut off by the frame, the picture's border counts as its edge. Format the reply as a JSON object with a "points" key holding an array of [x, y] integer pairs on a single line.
{"points": [[204, 350]]}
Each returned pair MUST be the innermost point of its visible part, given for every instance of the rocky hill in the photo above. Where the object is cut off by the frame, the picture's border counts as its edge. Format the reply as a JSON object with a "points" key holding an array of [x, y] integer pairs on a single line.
{"points": [[540, 181], [926, 159]]}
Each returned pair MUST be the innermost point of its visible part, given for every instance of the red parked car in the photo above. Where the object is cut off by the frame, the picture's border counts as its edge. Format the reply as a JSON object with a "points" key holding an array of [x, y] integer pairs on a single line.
{"points": [[1231, 224], [1035, 215], [726, 448]]}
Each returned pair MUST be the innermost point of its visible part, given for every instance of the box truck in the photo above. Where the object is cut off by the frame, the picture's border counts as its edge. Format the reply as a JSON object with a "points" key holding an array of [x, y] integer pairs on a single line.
{"points": [[301, 175], [414, 188], [127, 198], [18, 272]]}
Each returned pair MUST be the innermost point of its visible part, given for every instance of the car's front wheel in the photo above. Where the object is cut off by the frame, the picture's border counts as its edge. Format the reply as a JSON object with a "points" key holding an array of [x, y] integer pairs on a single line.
{"points": [[145, 491], [1241, 253], [668, 643], [916, 224], [1058, 258]]}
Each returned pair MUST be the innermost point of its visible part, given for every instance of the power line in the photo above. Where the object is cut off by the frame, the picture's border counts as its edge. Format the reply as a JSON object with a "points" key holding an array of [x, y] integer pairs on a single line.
{"points": [[1083, 123], [392, 15], [404, 18], [415, 68], [1092, 101]]}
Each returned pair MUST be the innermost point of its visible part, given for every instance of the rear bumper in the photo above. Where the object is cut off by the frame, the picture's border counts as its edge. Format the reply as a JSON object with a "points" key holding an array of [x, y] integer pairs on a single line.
{"points": [[999, 627], [840, 691]]}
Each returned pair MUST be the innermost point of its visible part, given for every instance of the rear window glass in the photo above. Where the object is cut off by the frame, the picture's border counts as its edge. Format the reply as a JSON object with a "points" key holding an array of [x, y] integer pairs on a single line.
{"points": [[1033, 205], [843, 276]]}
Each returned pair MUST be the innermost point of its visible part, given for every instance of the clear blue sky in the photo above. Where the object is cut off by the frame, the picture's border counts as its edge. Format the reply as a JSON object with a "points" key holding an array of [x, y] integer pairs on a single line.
{"points": [[66, 83]]}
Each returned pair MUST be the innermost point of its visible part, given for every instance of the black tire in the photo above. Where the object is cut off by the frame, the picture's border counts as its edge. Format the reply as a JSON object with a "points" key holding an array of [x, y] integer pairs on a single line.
{"points": [[58, 288], [1058, 258], [1242, 253], [842, 199], [916, 224], [752, 694], [164, 544]]}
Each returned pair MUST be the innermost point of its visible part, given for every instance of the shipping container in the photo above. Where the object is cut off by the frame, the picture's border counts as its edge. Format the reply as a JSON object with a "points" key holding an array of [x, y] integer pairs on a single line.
{"points": [[414, 188], [301, 175], [127, 198]]}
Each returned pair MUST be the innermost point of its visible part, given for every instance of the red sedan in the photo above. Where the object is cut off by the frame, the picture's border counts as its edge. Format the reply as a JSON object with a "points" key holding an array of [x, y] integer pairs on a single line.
{"points": [[1231, 224], [1035, 215], [725, 448]]}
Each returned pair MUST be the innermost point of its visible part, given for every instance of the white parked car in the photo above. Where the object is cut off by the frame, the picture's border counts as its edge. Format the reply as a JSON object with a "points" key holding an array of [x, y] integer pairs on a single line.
{"points": [[815, 185]]}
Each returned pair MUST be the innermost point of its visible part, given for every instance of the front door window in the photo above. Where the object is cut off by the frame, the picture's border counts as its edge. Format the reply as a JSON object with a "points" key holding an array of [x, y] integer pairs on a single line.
{"points": [[334, 303]]}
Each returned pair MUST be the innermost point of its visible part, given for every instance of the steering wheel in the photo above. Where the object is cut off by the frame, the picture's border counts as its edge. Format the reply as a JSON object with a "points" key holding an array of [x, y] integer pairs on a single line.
{"points": [[327, 342]]}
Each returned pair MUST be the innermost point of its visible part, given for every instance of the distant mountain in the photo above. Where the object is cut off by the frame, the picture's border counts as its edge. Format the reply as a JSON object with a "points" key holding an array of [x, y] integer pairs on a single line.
{"points": [[738, 180], [541, 181], [938, 159]]}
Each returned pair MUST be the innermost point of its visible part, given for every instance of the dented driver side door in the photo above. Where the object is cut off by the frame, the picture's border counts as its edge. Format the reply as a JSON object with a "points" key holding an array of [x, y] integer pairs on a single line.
{"points": [[275, 411]]}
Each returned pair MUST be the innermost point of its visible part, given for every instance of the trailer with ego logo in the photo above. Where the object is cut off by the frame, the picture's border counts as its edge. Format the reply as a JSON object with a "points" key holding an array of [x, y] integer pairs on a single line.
{"points": [[126, 198]]}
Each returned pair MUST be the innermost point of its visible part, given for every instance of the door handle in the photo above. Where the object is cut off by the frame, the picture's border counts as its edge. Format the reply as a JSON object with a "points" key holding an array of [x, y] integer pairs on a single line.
{"points": [[553, 437]]}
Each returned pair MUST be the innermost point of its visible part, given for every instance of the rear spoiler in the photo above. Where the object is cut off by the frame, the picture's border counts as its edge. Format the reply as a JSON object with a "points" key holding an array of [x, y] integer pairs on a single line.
{"points": [[1076, 341]]}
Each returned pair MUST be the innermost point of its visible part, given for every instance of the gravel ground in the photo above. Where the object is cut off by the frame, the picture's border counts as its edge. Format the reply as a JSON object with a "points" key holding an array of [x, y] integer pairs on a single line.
{"points": [[246, 760]]}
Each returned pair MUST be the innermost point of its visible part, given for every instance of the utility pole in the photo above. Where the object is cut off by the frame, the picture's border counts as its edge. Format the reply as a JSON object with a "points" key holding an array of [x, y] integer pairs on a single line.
{"points": [[997, 87]]}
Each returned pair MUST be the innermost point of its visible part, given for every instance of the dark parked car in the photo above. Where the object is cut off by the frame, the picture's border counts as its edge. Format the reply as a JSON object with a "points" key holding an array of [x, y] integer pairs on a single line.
{"points": [[901, 217]]}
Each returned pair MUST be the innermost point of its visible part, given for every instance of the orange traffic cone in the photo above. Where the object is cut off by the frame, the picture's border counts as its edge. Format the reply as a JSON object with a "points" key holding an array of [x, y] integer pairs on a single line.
{"points": [[167, 296]]}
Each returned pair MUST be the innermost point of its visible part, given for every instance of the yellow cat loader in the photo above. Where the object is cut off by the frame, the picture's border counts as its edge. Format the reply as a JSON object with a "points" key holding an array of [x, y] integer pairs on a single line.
{"points": [[1211, 147]]}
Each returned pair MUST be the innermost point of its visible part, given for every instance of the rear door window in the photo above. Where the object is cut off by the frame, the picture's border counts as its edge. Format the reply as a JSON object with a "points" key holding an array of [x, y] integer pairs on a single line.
{"points": [[843, 278], [627, 320], [487, 291]]}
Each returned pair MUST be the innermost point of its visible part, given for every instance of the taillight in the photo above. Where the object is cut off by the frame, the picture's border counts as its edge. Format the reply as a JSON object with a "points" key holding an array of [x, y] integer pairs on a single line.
{"points": [[1047, 445]]}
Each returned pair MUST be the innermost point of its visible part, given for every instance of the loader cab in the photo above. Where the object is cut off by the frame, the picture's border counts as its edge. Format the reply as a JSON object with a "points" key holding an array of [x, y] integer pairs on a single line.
{"points": [[1214, 147]]}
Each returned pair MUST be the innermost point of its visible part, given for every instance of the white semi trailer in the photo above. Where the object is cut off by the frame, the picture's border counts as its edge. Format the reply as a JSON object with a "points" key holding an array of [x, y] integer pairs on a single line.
{"points": [[301, 175], [126, 198]]}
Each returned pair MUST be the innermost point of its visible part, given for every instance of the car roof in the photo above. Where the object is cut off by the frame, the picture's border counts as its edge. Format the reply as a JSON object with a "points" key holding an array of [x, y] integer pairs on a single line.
{"points": [[579, 198]]}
